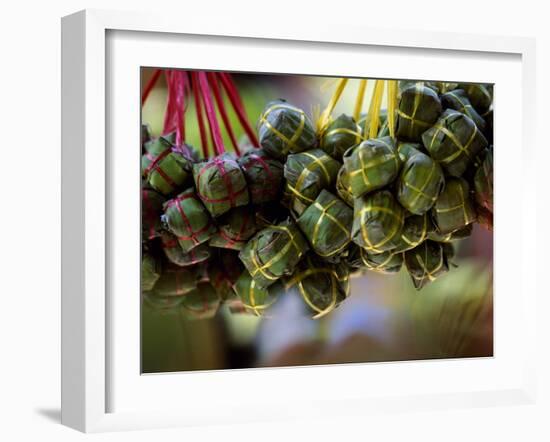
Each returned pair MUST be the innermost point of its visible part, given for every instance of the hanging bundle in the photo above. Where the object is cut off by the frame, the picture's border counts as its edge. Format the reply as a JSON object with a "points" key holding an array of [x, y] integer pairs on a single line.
{"points": [[341, 134], [186, 217], [483, 182], [343, 186], [165, 166], [264, 176], [419, 109], [321, 286], [307, 173], [371, 165], [175, 254], [454, 141], [415, 230], [274, 252], [480, 96], [458, 100], [220, 184], [419, 183], [175, 281], [284, 128], [377, 222], [426, 263], [255, 298], [453, 209], [234, 229], [327, 225]]}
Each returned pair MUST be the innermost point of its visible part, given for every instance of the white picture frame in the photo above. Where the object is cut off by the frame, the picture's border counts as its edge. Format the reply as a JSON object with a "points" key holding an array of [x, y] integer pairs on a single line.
{"points": [[89, 339]]}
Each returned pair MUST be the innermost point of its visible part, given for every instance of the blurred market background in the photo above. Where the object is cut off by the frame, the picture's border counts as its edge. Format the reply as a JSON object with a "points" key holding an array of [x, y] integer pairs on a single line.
{"points": [[385, 318]]}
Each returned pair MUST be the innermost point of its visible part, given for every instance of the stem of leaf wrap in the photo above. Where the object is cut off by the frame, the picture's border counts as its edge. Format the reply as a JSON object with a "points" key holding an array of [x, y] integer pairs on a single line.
{"points": [[210, 113]]}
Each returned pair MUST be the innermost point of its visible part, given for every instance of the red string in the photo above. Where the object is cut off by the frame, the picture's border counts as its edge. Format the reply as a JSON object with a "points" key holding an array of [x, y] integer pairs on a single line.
{"points": [[210, 113], [237, 104], [198, 110], [150, 85], [221, 107]]}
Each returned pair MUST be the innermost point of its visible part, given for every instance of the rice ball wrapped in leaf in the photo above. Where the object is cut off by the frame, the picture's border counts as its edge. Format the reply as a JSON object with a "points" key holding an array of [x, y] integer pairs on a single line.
{"points": [[419, 183], [151, 212], [480, 95], [165, 166], [263, 174], [327, 224], [341, 134], [378, 221], [175, 281], [187, 218], [458, 100], [426, 263], [150, 272], [456, 235], [415, 230], [385, 262], [404, 84], [220, 184], [483, 182], [175, 254], [274, 252], [201, 303], [406, 150], [371, 165], [256, 299], [321, 286], [284, 128], [307, 173], [454, 141], [454, 208], [162, 304], [224, 270], [419, 109], [343, 187], [234, 229]]}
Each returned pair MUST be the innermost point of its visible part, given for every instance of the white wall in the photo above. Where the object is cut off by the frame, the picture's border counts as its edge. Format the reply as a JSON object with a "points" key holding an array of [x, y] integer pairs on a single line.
{"points": [[30, 213]]}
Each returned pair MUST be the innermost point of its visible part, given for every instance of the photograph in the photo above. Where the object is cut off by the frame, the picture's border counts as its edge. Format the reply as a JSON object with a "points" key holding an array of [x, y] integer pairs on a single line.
{"points": [[300, 220]]}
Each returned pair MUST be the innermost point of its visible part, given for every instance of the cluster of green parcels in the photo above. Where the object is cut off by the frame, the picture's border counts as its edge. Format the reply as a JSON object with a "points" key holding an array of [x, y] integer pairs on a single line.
{"points": [[311, 207]]}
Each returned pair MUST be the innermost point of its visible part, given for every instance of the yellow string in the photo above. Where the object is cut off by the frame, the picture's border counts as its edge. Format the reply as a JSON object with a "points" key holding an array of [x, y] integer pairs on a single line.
{"points": [[392, 104], [323, 120], [359, 99], [373, 116]]}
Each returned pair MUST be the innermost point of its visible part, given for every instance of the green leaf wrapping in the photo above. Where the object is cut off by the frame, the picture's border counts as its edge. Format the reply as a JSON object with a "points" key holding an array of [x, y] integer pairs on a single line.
{"points": [[322, 286], [235, 228], [201, 303], [415, 230], [220, 184], [165, 167], [426, 263], [175, 254], [307, 173], [187, 218], [371, 165], [406, 150], [378, 221], [151, 211], [175, 281], [263, 174], [458, 100], [341, 134], [256, 299], [433, 85], [385, 262], [419, 109], [454, 208], [343, 187], [483, 182], [327, 224], [454, 141], [150, 272], [274, 252], [479, 95], [284, 129], [419, 183]]}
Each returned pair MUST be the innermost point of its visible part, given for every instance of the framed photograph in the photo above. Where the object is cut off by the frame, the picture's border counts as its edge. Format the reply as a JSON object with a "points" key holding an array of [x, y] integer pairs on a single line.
{"points": [[277, 223]]}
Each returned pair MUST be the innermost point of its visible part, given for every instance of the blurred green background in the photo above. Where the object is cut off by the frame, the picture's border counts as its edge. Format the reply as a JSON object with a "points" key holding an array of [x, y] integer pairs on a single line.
{"points": [[384, 319]]}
